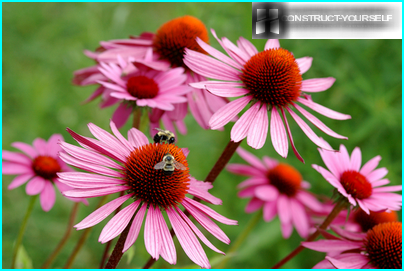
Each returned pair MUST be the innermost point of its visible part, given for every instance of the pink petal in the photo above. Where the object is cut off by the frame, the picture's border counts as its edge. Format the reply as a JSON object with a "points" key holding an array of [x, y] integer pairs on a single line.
{"points": [[16, 158], [235, 52], [278, 134], [370, 165], [152, 237], [24, 147], [392, 188], [137, 138], [269, 210], [11, 168], [290, 137], [118, 223], [87, 180], [121, 114], [53, 146], [253, 205], [35, 186], [247, 193], [95, 192], [299, 218], [266, 192], [332, 245], [253, 182], [135, 228], [284, 209], [286, 229], [257, 133], [226, 91], [317, 84], [304, 63], [228, 112], [199, 108], [204, 195], [47, 197], [349, 261], [40, 145], [327, 175], [240, 128], [245, 170], [251, 159], [247, 46], [272, 44], [355, 236], [167, 249], [376, 174], [323, 110], [20, 180], [216, 84], [356, 159], [187, 239], [309, 201]]}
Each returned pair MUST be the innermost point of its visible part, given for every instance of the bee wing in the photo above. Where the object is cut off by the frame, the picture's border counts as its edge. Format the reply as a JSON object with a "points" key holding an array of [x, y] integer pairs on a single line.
{"points": [[178, 165], [159, 165], [158, 129]]}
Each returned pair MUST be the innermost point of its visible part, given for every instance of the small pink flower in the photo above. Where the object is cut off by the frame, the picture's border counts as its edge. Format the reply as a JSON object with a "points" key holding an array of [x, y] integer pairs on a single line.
{"points": [[38, 165], [270, 80], [360, 186], [277, 188], [117, 164], [379, 248]]}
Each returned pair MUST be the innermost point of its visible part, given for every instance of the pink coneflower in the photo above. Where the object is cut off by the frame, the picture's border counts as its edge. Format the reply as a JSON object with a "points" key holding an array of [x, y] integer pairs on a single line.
{"points": [[143, 86], [379, 248], [360, 186], [117, 164], [277, 188], [38, 165], [270, 80]]}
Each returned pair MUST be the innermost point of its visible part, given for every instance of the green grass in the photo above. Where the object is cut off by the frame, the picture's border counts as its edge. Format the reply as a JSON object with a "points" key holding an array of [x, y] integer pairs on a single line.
{"points": [[43, 45]]}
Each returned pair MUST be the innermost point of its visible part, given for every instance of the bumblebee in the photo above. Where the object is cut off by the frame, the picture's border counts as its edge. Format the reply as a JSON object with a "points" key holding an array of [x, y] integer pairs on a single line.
{"points": [[164, 136], [169, 165]]}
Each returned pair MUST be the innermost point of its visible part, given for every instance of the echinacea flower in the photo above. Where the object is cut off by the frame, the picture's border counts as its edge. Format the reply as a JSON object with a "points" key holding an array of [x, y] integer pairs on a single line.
{"points": [[117, 164], [379, 248], [361, 186], [270, 80], [38, 165], [144, 86], [279, 189]]}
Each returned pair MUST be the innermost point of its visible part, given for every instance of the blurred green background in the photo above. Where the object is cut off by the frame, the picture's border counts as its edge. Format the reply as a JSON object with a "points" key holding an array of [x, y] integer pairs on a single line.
{"points": [[43, 44]]}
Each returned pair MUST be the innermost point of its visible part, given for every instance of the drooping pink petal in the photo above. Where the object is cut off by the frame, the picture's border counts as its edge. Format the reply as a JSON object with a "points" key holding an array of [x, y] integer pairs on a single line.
{"points": [[284, 209], [286, 229], [241, 127], [135, 228], [363, 206], [317, 84], [188, 240], [26, 148], [304, 63], [327, 175], [290, 137], [247, 193], [269, 210], [266, 192], [167, 248], [118, 223], [20, 180], [251, 159], [332, 245], [152, 237], [349, 261], [121, 114], [299, 218], [257, 133], [199, 108], [272, 44], [323, 110], [239, 55], [228, 112], [278, 134], [47, 197], [35, 186], [204, 195], [355, 236]]}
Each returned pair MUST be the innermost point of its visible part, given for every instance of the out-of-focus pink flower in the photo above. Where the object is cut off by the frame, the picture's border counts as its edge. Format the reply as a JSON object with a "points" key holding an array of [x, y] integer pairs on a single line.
{"points": [[118, 164], [277, 188], [379, 248], [361, 186], [270, 80], [38, 165]]}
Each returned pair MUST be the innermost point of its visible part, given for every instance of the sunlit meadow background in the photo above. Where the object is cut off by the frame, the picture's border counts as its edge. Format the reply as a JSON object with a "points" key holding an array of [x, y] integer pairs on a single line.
{"points": [[43, 44]]}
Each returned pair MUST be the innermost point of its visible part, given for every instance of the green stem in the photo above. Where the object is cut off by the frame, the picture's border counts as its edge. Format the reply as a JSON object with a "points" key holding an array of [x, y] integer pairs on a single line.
{"points": [[83, 238], [341, 205], [65, 237], [241, 238], [22, 230], [137, 114]]}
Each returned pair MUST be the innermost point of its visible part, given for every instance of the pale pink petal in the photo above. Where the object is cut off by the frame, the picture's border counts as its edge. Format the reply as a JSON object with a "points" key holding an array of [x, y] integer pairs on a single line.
{"points": [[24, 147], [95, 192], [247, 46], [356, 159], [266, 192], [251, 159], [253, 182], [199, 108], [278, 134], [135, 228], [47, 197], [228, 112], [284, 209], [376, 174], [349, 261], [324, 264], [11, 168], [121, 114], [87, 180], [317, 84], [20, 180], [204, 195], [35, 186], [269, 210], [355, 236], [290, 137], [272, 44], [227, 91], [304, 63], [344, 159], [152, 237], [269, 162], [241, 169], [327, 175], [286, 229], [299, 218], [257, 133], [380, 182], [332, 245], [392, 188], [52, 145], [241, 127], [323, 110], [118, 223], [118, 135], [235, 52], [16, 158], [216, 84], [167, 249], [123, 96], [40, 145], [370, 165], [188, 240], [363, 206], [137, 138], [247, 193], [331, 160]]}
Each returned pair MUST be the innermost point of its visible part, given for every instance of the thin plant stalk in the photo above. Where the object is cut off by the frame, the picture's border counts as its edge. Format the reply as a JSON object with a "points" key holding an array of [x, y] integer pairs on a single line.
{"points": [[214, 172], [241, 238], [339, 206], [65, 237], [83, 238], [22, 229]]}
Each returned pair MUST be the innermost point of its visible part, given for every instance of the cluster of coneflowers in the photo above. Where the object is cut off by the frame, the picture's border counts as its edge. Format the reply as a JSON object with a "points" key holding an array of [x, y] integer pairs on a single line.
{"points": [[164, 75]]}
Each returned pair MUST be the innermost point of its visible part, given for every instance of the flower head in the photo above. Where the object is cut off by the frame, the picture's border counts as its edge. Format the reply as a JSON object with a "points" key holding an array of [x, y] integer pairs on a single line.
{"points": [[117, 164], [270, 80], [361, 186], [279, 189], [38, 165], [379, 248]]}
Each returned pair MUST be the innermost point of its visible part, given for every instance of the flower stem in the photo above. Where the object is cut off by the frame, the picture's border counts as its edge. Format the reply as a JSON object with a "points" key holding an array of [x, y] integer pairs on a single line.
{"points": [[83, 238], [341, 205], [65, 237], [137, 114], [241, 238], [22, 230], [214, 172]]}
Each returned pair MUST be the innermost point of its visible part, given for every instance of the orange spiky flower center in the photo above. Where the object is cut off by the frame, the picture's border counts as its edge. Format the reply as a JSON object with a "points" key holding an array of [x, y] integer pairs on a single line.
{"points": [[273, 77], [384, 245], [174, 36], [156, 186], [285, 178], [46, 167], [142, 87], [368, 221], [356, 184]]}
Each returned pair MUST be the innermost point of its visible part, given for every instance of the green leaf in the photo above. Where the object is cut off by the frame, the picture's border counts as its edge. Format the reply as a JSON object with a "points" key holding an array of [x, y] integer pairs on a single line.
{"points": [[23, 261], [130, 253]]}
